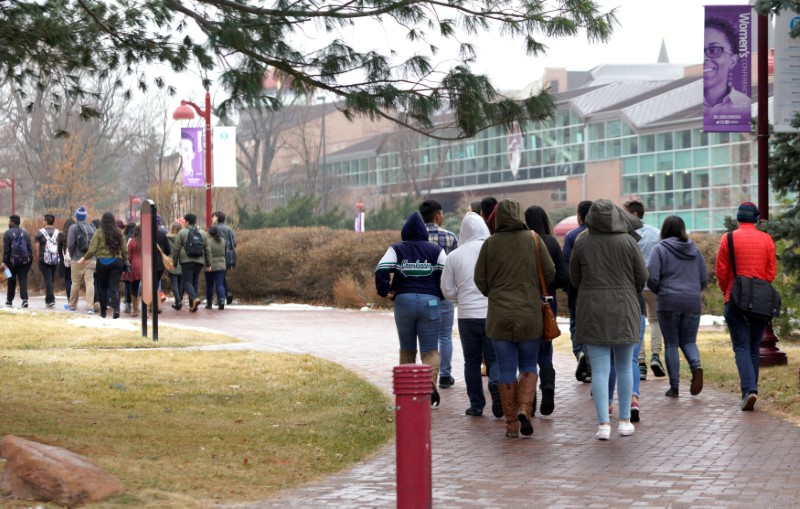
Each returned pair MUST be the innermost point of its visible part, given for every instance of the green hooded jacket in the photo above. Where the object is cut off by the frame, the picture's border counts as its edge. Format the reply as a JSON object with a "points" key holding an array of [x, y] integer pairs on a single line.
{"points": [[507, 272]]}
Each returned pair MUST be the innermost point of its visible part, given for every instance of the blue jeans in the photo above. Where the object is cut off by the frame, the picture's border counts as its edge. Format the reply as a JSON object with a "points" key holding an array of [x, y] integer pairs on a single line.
{"points": [[417, 316], [601, 373], [679, 331], [746, 339], [176, 283], [446, 338], [476, 344], [513, 356], [576, 347], [214, 282], [635, 367]]}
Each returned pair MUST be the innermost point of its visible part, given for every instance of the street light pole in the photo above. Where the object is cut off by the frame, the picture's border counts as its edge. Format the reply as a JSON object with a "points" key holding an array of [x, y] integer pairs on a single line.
{"points": [[324, 158], [183, 112]]}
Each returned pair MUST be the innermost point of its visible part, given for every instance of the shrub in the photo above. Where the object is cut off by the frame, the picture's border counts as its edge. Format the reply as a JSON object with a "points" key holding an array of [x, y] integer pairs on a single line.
{"points": [[349, 293], [304, 264]]}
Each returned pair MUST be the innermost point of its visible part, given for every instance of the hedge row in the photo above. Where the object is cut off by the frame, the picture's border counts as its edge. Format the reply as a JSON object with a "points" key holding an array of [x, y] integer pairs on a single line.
{"points": [[335, 267]]}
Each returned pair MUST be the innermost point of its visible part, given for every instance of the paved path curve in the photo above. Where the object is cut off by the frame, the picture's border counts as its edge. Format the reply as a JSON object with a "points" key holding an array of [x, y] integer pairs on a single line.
{"points": [[687, 452]]}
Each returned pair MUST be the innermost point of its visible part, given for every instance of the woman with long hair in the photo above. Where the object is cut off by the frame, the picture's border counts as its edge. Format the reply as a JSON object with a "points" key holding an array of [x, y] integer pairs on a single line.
{"points": [[677, 274], [537, 220], [108, 246]]}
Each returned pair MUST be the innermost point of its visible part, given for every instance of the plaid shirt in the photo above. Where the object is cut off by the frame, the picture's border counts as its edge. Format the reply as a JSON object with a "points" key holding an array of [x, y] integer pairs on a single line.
{"points": [[446, 240]]}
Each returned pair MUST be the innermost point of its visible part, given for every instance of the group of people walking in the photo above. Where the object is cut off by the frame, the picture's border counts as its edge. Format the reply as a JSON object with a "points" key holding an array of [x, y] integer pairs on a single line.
{"points": [[102, 254], [608, 264]]}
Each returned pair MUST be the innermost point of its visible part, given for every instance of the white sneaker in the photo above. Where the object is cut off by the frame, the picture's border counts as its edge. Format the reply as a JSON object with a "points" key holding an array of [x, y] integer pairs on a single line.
{"points": [[625, 428], [603, 432]]}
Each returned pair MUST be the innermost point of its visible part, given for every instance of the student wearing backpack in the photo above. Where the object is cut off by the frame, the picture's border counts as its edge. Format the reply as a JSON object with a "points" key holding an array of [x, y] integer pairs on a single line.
{"points": [[218, 219], [49, 257], [79, 237], [17, 256], [193, 253]]}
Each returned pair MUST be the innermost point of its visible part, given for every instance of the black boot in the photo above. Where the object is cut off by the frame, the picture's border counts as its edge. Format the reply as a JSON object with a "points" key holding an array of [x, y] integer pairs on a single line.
{"points": [[547, 379]]}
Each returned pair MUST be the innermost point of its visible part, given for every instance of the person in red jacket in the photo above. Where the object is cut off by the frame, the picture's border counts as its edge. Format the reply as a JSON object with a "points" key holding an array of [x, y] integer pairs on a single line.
{"points": [[755, 257]]}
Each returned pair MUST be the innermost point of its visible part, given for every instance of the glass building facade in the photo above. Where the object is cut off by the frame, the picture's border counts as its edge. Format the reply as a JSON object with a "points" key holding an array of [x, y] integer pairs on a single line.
{"points": [[672, 167]]}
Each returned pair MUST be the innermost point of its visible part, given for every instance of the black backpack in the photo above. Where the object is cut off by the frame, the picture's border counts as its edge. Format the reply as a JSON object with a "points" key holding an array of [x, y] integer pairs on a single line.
{"points": [[194, 243], [82, 237]]}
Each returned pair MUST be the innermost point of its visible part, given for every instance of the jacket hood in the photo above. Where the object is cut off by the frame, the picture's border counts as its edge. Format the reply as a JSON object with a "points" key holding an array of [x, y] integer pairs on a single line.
{"points": [[605, 217], [684, 250], [509, 216], [414, 229], [473, 227]]}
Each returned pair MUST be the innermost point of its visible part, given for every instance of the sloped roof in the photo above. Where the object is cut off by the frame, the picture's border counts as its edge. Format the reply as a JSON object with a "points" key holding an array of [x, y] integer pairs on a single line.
{"points": [[367, 147], [612, 93]]}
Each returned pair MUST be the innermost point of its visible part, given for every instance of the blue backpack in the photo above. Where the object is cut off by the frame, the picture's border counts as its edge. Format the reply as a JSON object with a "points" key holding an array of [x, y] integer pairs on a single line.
{"points": [[19, 249]]}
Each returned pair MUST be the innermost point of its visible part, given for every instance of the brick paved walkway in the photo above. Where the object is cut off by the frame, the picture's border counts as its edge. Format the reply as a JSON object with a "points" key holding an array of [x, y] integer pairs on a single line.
{"points": [[687, 452]]}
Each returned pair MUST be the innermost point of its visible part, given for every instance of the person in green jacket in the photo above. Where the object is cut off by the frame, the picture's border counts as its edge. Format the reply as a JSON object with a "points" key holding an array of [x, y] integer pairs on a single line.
{"points": [[507, 272], [215, 277], [191, 263], [108, 245]]}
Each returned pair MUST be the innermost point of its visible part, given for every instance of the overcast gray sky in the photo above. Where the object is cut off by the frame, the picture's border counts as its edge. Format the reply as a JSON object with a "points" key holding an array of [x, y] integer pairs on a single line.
{"points": [[643, 24]]}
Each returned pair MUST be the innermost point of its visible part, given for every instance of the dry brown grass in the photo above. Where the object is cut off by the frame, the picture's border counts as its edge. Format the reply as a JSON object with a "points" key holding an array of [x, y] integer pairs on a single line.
{"points": [[189, 428], [779, 388]]}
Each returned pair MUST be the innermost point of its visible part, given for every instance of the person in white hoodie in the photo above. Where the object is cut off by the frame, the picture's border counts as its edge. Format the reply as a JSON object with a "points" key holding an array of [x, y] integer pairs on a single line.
{"points": [[458, 286]]}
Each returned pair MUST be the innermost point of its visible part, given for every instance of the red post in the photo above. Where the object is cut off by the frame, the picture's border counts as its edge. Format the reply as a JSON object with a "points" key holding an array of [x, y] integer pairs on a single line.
{"points": [[412, 389], [769, 354], [13, 196], [207, 115]]}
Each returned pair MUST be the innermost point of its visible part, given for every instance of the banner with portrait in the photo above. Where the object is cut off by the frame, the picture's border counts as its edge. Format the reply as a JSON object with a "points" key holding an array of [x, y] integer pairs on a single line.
{"points": [[727, 68], [786, 97], [192, 157]]}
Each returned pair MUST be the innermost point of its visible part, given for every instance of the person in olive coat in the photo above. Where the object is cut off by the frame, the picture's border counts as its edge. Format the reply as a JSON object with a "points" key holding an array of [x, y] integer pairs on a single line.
{"points": [[607, 268], [507, 272], [215, 276]]}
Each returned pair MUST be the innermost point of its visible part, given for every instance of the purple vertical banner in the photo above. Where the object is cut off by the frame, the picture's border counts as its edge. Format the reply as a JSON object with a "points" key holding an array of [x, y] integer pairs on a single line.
{"points": [[192, 160], [726, 68]]}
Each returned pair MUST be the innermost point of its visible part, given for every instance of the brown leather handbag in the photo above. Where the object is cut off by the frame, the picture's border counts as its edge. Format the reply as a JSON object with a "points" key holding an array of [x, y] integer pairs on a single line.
{"points": [[551, 330]]}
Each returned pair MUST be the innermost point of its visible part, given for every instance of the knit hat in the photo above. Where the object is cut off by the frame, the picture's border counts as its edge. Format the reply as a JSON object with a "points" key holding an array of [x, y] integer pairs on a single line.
{"points": [[747, 213], [158, 218], [80, 214]]}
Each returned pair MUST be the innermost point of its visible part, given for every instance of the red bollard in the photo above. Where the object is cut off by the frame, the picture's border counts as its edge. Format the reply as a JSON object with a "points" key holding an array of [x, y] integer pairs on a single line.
{"points": [[412, 389]]}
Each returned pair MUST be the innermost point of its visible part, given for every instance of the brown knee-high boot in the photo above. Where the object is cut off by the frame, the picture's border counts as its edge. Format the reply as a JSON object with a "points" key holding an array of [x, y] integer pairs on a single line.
{"points": [[508, 395], [134, 307], [526, 390], [432, 359], [408, 356]]}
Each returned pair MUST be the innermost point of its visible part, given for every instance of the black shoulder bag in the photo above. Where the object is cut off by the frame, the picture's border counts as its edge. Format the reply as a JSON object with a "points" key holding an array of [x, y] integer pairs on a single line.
{"points": [[755, 298]]}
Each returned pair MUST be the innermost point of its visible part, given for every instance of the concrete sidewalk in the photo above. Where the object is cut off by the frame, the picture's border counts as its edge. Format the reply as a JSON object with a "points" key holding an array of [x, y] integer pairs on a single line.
{"points": [[697, 451]]}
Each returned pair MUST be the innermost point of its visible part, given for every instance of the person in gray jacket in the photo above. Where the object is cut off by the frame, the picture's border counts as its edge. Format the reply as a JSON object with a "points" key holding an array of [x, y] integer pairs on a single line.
{"points": [[79, 237], [677, 274], [607, 268]]}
